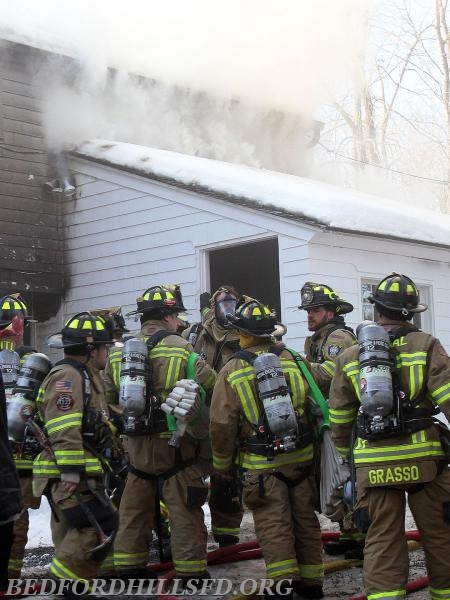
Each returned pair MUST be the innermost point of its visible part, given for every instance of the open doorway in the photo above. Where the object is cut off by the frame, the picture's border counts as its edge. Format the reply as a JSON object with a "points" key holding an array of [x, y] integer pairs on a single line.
{"points": [[252, 268]]}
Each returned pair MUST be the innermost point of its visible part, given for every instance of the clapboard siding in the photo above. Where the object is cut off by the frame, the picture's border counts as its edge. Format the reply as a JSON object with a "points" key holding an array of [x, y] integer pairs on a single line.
{"points": [[126, 232], [31, 233]]}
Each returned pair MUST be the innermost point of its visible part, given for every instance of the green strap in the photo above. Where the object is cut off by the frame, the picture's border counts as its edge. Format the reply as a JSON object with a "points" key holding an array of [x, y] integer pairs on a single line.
{"points": [[318, 397]]}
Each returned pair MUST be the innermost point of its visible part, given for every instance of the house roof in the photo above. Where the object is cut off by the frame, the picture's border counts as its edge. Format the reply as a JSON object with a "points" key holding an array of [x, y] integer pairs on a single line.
{"points": [[320, 204]]}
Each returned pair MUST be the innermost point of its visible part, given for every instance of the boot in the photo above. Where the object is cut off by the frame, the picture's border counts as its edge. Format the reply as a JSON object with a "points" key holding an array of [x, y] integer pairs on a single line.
{"points": [[194, 580], [341, 546], [225, 540], [312, 592], [355, 553]]}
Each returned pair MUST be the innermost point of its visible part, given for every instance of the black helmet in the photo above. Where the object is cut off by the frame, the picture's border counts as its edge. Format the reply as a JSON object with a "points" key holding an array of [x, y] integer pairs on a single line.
{"points": [[398, 293], [10, 306], [164, 298], [318, 294], [255, 318], [84, 329]]}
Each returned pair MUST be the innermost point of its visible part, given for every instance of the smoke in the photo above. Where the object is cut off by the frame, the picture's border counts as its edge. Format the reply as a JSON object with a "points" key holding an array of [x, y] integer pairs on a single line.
{"points": [[238, 81]]}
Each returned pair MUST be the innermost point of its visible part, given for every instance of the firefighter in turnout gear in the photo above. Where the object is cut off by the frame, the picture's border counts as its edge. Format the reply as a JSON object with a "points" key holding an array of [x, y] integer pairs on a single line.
{"points": [[13, 318], [331, 336], [216, 342], [149, 431], [77, 441], [400, 448], [279, 485]]}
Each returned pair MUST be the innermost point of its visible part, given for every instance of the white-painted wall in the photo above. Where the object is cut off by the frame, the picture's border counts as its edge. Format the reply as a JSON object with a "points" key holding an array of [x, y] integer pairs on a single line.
{"points": [[126, 233]]}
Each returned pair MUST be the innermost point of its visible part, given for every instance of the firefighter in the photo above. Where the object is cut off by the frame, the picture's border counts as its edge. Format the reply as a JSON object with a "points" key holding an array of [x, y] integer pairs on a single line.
{"points": [[10, 497], [399, 448], [279, 485], [13, 319], [217, 342], [77, 443], [331, 336], [152, 458]]}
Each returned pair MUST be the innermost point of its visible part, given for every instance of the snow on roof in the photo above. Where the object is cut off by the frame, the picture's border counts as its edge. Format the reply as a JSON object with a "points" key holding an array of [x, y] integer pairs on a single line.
{"points": [[321, 204]]}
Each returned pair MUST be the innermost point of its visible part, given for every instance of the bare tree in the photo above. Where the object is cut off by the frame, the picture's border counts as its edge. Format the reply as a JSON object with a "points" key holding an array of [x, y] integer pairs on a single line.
{"points": [[398, 118]]}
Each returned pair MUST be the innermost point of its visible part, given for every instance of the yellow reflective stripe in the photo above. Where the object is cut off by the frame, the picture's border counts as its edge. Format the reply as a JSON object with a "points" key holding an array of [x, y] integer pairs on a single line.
{"points": [[93, 465], [169, 352], [222, 464], [115, 362], [240, 382], [123, 559], [173, 372], [282, 567], [69, 420], [190, 566], [329, 366], [256, 461], [228, 530], [23, 463], [439, 594], [342, 415], [60, 571], [442, 394], [351, 370], [40, 396], [403, 452], [312, 571], [407, 359], [391, 595], [343, 450], [419, 436], [69, 457]]}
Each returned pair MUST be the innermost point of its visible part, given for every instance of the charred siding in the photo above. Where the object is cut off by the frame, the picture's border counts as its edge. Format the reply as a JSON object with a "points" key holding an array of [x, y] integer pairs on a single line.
{"points": [[31, 232]]}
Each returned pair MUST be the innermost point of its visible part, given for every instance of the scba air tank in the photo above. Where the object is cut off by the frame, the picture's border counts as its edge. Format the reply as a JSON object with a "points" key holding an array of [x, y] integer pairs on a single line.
{"points": [[133, 383], [274, 394], [9, 367], [22, 402], [375, 366]]}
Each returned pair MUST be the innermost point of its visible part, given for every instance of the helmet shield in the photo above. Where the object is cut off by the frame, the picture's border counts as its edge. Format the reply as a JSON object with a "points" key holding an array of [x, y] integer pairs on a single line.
{"points": [[318, 294]]}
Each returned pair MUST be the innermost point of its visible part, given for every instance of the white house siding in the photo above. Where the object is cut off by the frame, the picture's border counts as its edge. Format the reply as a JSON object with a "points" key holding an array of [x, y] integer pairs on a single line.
{"points": [[125, 233], [345, 260]]}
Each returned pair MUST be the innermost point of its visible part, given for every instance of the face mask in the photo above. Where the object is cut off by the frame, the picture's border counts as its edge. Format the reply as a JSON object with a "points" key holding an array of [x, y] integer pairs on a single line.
{"points": [[226, 306]]}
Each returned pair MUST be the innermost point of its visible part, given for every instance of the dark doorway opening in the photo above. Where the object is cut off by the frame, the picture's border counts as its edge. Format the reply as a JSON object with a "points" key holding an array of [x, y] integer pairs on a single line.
{"points": [[252, 268]]}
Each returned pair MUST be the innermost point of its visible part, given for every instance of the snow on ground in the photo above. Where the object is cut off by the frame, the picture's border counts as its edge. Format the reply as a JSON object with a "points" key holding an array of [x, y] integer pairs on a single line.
{"points": [[39, 533], [325, 204]]}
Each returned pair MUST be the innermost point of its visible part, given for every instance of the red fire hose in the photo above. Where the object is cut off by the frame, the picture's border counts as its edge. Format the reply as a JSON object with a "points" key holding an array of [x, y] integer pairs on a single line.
{"points": [[244, 551]]}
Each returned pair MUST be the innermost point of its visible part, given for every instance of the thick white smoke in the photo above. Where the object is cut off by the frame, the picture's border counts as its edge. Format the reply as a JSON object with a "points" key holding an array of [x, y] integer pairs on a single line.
{"points": [[226, 70]]}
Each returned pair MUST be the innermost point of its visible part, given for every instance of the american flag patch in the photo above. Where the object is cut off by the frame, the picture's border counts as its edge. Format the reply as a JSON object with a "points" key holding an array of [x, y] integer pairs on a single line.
{"points": [[64, 386]]}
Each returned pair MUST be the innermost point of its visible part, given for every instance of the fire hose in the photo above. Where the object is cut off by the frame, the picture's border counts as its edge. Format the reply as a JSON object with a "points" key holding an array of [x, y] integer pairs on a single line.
{"points": [[249, 551]]}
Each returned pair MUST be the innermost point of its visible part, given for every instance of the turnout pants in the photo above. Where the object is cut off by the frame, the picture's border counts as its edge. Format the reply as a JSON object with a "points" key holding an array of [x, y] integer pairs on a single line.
{"points": [[20, 531], [386, 561], [286, 525], [184, 493], [72, 558]]}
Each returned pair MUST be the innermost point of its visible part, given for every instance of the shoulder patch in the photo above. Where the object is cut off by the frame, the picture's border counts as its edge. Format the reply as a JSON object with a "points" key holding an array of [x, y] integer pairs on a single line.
{"points": [[64, 402], [334, 349]]}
